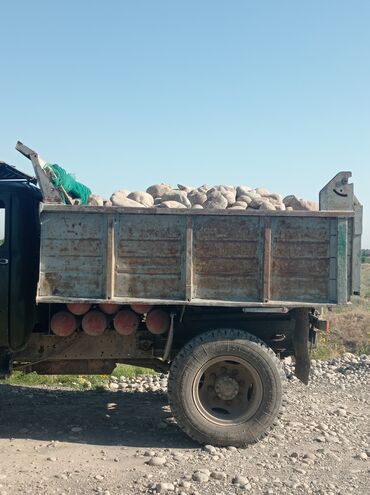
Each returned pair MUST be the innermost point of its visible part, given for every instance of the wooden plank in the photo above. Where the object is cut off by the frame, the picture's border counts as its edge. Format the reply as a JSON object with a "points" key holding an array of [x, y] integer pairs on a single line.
{"points": [[216, 258], [189, 260], [110, 259], [193, 212], [194, 302], [333, 260], [342, 260], [267, 261], [150, 254]]}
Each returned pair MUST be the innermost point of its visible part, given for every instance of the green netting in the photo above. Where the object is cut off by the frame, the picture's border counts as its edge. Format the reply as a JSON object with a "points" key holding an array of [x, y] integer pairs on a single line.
{"points": [[73, 188]]}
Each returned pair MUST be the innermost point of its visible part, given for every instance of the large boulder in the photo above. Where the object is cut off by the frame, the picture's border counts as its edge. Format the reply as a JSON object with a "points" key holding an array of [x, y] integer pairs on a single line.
{"points": [[300, 204], [267, 206], [196, 197], [187, 189], [197, 207], [256, 202], [244, 198], [158, 190], [274, 198], [228, 192], [171, 204], [119, 200], [144, 198], [280, 207], [215, 200], [95, 200], [262, 191], [241, 190], [240, 204], [204, 188], [123, 192], [176, 195]]}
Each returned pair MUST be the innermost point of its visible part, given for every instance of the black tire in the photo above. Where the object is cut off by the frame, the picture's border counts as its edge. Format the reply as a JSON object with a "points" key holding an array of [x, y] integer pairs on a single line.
{"points": [[252, 411]]}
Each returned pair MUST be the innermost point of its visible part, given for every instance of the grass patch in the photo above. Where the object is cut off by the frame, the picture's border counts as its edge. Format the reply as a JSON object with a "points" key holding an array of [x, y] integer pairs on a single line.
{"points": [[350, 325], [79, 382]]}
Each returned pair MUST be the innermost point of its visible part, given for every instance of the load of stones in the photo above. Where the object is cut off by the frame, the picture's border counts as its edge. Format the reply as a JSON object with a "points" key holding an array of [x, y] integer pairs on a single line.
{"points": [[217, 197]]}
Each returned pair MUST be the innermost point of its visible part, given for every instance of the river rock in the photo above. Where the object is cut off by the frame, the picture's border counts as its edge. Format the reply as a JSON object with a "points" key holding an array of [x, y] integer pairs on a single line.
{"points": [[300, 204], [244, 198], [267, 206], [171, 204], [143, 198], [158, 190], [164, 487], [243, 204], [262, 191], [120, 200], [256, 202], [215, 200], [187, 189], [157, 461], [177, 195], [200, 476], [96, 200], [241, 190], [196, 197], [203, 189], [229, 192]]}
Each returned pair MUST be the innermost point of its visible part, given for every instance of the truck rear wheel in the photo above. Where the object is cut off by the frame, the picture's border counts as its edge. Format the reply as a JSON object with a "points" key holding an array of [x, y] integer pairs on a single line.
{"points": [[225, 388]]}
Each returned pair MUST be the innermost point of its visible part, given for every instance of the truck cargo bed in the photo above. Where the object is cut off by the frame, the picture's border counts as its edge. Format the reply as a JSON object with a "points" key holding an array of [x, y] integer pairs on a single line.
{"points": [[197, 257]]}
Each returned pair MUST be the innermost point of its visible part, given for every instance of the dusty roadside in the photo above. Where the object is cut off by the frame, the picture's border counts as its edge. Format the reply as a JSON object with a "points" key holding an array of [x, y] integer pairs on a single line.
{"points": [[55, 441]]}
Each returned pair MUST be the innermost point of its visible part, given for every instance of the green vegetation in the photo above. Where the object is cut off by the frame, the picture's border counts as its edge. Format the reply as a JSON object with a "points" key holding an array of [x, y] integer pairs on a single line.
{"points": [[349, 325], [365, 255], [78, 382]]}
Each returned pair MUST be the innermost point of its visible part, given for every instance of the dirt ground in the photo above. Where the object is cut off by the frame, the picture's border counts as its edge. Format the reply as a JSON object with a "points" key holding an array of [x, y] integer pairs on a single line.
{"points": [[55, 441]]}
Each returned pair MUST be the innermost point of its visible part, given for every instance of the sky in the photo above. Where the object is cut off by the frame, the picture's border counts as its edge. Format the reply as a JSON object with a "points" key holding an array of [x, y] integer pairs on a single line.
{"points": [[125, 94]]}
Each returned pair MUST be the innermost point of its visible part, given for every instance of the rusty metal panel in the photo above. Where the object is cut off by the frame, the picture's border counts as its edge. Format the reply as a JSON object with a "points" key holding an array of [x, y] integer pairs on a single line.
{"points": [[110, 345], [73, 255], [301, 259], [150, 256], [227, 258], [93, 254], [342, 261]]}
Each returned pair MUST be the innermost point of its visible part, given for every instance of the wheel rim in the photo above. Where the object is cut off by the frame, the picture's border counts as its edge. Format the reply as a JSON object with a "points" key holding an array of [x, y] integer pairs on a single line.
{"points": [[227, 390]]}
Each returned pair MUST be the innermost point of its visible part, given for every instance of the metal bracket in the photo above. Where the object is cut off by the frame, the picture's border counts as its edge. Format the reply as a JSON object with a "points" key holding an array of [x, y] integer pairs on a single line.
{"points": [[338, 193], [169, 342], [6, 362], [49, 193]]}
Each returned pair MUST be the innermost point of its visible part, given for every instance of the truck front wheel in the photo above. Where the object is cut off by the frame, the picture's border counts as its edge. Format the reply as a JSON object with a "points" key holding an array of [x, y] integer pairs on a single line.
{"points": [[225, 388]]}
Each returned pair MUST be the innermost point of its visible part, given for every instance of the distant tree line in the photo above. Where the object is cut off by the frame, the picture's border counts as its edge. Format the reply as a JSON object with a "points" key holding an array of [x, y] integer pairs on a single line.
{"points": [[365, 255]]}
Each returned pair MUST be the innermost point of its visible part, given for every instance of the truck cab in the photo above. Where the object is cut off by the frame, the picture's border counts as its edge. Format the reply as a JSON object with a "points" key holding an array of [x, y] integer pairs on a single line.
{"points": [[19, 259]]}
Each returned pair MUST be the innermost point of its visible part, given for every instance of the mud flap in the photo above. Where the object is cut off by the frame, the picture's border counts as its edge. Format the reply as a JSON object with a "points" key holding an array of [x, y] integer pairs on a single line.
{"points": [[5, 362], [300, 341]]}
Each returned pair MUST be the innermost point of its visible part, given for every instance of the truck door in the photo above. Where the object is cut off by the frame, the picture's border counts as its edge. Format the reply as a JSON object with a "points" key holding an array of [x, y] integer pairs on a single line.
{"points": [[4, 268]]}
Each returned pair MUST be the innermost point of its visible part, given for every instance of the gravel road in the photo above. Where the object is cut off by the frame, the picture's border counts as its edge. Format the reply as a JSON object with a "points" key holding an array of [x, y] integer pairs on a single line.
{"points": [[124, 441]]}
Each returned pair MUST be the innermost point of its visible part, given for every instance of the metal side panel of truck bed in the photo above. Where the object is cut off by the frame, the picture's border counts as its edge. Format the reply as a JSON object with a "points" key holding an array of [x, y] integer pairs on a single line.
{"points": [[197, 257]]}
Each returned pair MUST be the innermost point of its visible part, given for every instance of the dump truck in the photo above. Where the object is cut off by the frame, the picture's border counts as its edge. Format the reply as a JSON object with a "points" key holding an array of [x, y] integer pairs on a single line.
{"points": [[236, 291]]}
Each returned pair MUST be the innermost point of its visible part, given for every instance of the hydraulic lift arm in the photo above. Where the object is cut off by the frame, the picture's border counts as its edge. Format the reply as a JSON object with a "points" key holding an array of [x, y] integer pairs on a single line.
{"points": [[50, 193]]}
